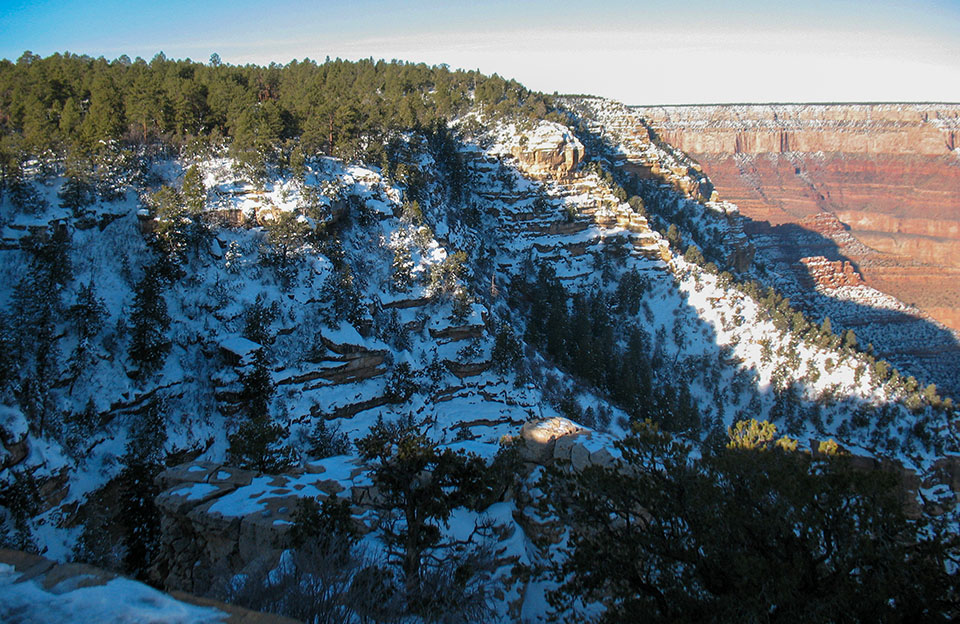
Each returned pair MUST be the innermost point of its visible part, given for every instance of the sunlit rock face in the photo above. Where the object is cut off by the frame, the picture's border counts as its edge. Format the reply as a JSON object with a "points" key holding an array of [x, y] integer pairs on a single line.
{"points": [[890, 173], [548, 151]]}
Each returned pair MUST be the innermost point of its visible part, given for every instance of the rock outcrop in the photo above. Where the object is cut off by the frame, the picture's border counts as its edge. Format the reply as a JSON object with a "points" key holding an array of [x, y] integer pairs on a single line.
{"points": [[547, 440], [52, 591], [829, 275], [549, 151], [218, 519]]}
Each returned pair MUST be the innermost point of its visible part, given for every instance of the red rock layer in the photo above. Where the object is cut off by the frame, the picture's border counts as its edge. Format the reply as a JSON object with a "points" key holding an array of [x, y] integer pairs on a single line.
{"points": [[889, 173], [827, 274]]}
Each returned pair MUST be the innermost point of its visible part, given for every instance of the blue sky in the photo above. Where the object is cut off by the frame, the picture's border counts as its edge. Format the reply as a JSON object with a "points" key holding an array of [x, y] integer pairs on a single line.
{"points": [[640, 52]]}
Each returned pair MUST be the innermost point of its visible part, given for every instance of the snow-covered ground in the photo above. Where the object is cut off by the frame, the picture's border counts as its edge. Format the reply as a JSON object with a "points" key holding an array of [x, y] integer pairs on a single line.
{"points": [[335, 366]]}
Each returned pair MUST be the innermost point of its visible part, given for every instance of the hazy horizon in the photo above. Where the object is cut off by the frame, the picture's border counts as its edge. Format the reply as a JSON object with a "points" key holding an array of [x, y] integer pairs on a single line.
{"points": [[639, 53]]}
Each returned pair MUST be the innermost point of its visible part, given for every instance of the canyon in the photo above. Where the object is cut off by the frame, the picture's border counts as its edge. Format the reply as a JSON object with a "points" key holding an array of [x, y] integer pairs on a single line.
{"points": [[889, 174]]}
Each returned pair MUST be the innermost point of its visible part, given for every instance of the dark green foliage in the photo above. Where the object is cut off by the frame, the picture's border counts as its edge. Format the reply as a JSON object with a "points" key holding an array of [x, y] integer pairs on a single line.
{"points": [[401, 385], [444, 149], [50, 256], [180, 227], [256, 444], [422, 483], [446, 276], [36, 310], [674, 236], [77, 192], [19, 502], [329, 577], [286, 235], [630, 292], [462, 307], [401, 274], [8, 357], [81, 426], [587, 334], [139, 516], [328, 441], [149, 344], [323, 522], [506, 351], [745, 535], [333, 581], [257, 320], [849, 339], [347, 109], [25, 197], [693, 255], [340, 290], [88, 315]]}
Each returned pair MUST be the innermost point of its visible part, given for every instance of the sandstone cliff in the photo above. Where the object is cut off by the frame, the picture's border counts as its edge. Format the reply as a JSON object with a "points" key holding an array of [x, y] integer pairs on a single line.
{"points": [[889, 172]]}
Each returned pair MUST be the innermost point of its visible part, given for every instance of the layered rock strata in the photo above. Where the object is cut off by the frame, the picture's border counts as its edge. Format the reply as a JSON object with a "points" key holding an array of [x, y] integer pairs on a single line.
{"points": [[889, 172]]}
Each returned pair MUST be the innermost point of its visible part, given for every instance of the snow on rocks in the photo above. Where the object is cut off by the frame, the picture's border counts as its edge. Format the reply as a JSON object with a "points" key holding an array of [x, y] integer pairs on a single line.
{"points": [[37, 590], [548, 151]]}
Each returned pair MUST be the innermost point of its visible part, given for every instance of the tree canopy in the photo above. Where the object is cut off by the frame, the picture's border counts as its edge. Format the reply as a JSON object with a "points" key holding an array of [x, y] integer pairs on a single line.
{"points": [[72, 102], [753, 532]]}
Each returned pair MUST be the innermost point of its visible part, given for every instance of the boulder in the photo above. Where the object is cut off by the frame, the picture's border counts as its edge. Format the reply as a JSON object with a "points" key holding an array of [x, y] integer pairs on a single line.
{"points": [[540, 436]]}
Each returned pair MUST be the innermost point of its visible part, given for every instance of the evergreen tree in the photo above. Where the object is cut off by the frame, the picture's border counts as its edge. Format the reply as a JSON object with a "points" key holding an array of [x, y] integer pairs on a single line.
{"points": [[257, 320], [194, 197], [849, 339], [424, 484], [286, 236], [37, 309], [506, 351], [172, 223], [81, 426], [77, 191], [328, 441], [742, 534], [149, 343], [401, 274], [256, 444], [139, 516], [88, 315]]}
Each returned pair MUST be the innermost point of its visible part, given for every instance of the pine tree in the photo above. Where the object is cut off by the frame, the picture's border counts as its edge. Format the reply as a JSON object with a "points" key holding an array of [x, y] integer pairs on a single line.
{"points": [[194, 197], [401, 274], [739, 534], [139, 516], [149, 344], [425, 484], [506, 351], [77, 191], [256, 444], [37, 309], [81, 426], [88, 315], [286, 236], [826, 332], [257, 320], [172, 222], [849, 339], [328, 441]]}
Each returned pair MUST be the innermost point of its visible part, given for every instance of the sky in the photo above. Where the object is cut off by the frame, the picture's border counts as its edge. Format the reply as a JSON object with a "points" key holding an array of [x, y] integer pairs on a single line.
{"points": [[639, 52]]}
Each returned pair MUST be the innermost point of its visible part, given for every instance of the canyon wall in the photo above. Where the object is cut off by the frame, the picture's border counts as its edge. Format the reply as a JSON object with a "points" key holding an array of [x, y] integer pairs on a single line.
{"points": [[889, 173]]}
